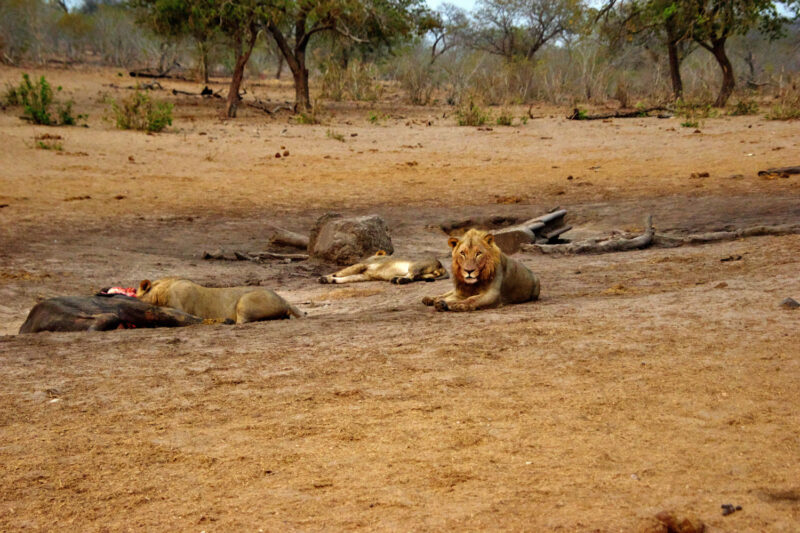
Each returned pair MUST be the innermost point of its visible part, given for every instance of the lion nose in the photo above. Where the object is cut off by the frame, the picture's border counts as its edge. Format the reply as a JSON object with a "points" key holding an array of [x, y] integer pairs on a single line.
{"points": [[469, 271]]}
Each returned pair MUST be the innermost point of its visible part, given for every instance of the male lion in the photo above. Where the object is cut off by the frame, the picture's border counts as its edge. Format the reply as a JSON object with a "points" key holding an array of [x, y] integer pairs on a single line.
{"points": [[381, 267], [484, 276], [236, 304]]}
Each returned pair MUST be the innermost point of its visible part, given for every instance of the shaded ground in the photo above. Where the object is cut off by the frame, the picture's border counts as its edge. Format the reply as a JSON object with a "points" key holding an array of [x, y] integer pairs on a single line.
{"points": [[642, 381]]}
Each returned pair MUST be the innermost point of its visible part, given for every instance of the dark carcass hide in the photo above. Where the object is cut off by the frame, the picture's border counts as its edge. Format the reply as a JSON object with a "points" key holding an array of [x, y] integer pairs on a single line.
{"points": [[101, 313]]}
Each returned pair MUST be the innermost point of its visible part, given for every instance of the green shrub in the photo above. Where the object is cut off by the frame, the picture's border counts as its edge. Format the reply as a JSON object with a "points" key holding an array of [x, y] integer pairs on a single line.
{"points": [[139, 112], [471, 115], [48, 142], [505, 118], [37, 99], [374, 117], [744, 107], [690, 124], [331, 134]]}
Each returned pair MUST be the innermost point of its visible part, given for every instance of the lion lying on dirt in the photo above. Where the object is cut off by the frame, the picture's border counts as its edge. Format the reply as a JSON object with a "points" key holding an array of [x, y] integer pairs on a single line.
{"points": [[382, 267], [237, 304], [484, 276]]}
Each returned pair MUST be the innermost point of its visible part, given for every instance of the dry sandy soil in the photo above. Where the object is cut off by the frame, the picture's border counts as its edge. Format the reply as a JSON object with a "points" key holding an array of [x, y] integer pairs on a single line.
{"points": [[642, 381]]}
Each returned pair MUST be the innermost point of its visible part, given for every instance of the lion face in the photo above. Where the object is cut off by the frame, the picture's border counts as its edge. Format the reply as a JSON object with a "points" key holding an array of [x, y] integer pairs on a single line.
{"points": [[154, 292], [475, 257]]}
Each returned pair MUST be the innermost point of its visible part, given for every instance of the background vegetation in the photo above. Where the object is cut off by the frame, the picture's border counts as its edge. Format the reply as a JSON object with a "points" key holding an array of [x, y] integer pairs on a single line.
{"points": [[504, 52]]}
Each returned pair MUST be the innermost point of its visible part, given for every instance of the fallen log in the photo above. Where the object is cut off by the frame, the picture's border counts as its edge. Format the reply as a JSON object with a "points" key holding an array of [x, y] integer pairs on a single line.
{"points": [[577, 114], [147, 73], [595, 246], [284, 237], [784, 172], [102, 313], [205, 93], [544, 229]]}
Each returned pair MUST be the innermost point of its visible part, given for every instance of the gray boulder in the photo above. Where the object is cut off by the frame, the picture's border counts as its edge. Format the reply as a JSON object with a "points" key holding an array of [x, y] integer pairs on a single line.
{"points": [[343, 241]]}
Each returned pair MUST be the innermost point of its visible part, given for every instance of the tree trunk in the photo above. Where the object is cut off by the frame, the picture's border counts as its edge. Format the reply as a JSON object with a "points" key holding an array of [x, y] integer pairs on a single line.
{"points": [[281, 60], [728, 79], [243, 55], [674, 59], [202, 50], [296, 59], [302, 101]]}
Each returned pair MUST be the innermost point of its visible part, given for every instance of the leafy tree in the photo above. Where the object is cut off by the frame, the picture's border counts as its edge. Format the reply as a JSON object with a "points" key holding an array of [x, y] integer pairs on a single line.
{"points": [[519, 28], [240, 21], [295, 22], [664, 20], [713, 22]]}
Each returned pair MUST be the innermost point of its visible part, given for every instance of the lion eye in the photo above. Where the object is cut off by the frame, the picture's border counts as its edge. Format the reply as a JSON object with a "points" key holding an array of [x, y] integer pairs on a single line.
{"points": [[463, 254], [478, 254]]}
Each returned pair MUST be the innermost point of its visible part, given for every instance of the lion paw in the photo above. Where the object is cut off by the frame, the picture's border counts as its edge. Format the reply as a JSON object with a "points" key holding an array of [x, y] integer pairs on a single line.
{"points": [[399, 280], [428, 300], [441, 305], [324, 279]]}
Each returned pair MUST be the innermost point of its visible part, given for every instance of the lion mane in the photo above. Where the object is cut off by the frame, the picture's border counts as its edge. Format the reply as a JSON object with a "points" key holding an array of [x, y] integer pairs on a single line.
{"points": [[484, 277]]}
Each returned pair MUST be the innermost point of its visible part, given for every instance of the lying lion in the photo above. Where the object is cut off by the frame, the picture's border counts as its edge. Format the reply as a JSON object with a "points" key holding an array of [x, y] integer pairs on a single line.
{"points": [[484, 276], [236, 304], [381, 267]]}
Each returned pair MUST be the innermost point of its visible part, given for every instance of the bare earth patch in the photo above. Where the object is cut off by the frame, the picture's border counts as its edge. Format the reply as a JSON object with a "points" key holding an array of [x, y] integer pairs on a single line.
{"points": [[662, 379]]}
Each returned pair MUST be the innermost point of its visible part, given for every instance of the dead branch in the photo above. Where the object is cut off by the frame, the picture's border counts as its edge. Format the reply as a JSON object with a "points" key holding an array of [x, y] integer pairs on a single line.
{"points": [[672, 241], [261, 257], [267, 108], [578, 115], [658, 240]]}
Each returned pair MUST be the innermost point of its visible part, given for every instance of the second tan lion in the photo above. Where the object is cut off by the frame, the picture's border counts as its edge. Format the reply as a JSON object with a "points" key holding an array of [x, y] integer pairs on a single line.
{"points": [[235, 304], [483, 276], [382, 267]]}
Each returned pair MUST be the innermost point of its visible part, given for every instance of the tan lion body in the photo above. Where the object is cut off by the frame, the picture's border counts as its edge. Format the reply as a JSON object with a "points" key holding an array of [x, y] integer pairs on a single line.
{"points": [[381, 267], [484, 277], [238, 304]]}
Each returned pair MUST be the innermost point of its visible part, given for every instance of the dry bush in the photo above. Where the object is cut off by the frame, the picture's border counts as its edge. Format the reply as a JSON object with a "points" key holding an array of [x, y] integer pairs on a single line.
{"points": [[357, 81], [416, 75]]}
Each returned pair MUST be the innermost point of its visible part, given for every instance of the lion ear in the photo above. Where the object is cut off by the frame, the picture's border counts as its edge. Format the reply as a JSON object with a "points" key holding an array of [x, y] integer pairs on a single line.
{"points": [[489, 239], [453, 242], [380, 253], [145, 285]]}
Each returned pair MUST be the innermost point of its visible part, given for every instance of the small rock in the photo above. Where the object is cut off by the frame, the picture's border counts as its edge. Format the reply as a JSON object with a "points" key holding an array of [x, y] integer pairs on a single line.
{"points": [[286, 153], [790, 303], [731, 258], [728, 508], [720, 285], [277, 155]]}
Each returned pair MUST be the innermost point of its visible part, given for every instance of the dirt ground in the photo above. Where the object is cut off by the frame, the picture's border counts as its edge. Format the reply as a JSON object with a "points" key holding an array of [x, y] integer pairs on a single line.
{"points": [[641, 381]]}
